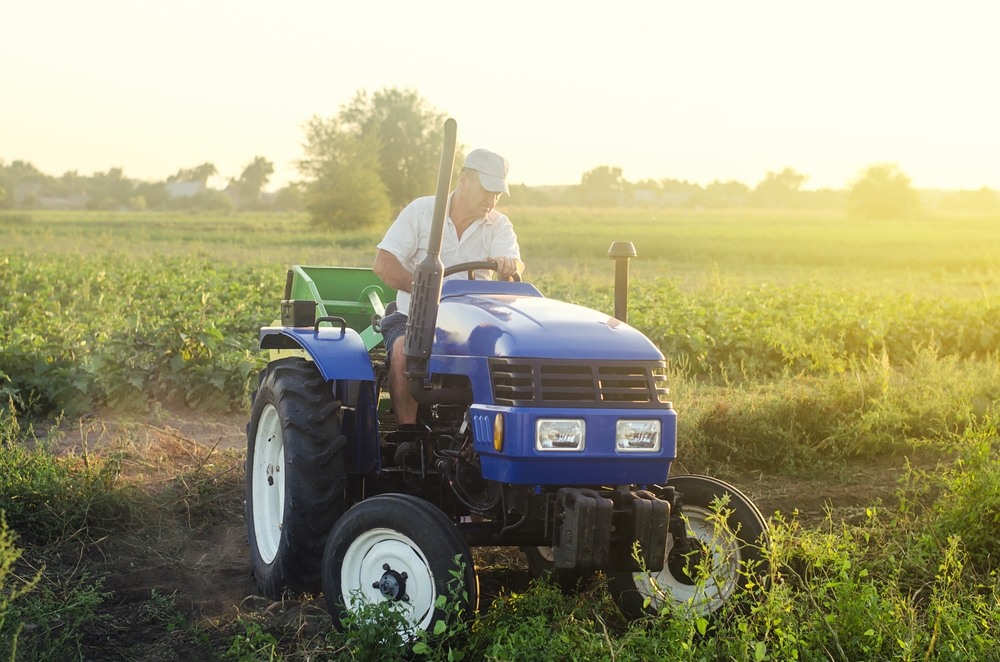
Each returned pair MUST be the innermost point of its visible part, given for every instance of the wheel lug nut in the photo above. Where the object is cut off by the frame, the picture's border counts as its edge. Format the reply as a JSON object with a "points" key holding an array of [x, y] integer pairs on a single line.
{"points": [[385, 566], [405, 598], [403, 575], [375, 585]]}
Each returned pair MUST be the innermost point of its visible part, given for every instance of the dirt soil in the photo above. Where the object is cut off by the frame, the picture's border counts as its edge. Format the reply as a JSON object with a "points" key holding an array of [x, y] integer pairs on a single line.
{"points": [[204, 569]]}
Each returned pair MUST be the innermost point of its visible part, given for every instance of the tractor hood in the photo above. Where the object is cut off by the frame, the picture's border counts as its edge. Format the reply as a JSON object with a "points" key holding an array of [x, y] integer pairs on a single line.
{"points": [[489, 319]]}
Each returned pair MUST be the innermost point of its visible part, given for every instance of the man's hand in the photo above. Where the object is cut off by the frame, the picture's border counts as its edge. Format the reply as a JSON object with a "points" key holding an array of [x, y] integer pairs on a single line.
{"points": [[507, 266]]}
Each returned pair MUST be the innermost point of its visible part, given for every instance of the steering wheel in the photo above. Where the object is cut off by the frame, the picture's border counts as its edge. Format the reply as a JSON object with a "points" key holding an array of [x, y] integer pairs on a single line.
{"points": [[472, 266]]}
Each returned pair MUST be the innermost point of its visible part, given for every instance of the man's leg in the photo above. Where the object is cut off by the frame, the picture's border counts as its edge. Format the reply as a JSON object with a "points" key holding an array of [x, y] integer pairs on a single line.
{"points": [[403, 403]]}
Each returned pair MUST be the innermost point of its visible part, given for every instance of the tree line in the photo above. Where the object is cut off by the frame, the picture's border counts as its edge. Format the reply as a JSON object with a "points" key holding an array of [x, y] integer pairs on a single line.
{"points": [[361, 166], [381, 151], [24, 186]]}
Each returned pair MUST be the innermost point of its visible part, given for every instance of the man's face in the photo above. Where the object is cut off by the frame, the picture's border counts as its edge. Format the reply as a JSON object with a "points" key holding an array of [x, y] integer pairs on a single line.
{"points": [[478, 198]]}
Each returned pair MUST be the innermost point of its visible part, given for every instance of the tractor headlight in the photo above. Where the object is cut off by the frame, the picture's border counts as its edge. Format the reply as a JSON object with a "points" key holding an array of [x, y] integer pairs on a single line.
{"points": [[632, 436], [561, 434]]}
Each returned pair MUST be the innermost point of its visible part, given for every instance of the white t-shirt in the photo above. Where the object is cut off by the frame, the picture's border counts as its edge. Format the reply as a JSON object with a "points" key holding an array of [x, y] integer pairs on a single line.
{"points": [[407, 238]]}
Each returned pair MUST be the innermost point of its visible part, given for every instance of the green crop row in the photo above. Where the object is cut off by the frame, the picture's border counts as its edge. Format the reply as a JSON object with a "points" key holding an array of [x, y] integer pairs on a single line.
{"points": [[810, 328], [78, 331]]}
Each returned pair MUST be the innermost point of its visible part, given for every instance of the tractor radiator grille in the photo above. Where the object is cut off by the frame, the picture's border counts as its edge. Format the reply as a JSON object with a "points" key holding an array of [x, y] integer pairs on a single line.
{"points": [[546, 383]]}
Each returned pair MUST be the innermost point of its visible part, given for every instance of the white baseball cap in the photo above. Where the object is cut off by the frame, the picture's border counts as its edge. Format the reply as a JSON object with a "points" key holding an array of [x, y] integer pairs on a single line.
{"points": [[492, 169]]}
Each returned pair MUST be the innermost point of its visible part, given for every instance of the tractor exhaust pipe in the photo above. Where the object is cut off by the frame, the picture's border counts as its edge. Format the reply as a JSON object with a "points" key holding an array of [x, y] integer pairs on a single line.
{"points": [[425, 292], [621, 252]]}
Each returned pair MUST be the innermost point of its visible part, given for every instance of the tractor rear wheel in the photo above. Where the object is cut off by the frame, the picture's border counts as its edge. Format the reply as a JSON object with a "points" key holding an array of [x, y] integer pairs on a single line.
{"points": [[727, 546], [295, 476], [397, 547]]}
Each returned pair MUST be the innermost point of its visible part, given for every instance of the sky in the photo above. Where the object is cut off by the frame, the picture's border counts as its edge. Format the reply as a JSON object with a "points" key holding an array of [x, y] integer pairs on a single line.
{"points": [[696, 91]]}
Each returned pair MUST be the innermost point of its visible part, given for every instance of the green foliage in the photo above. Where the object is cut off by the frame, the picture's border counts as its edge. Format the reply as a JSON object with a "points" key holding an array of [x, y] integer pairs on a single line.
{"points": [[208, 200], [719, 194], [449, 636], [811, 328], [983, 200], [373, 631], [77, 330], [253, 644], [343, 189], [49, 497], [882, 191], [408, 132], [289, 198], [971, 507], [252, 181], [198, 174], [11, 590], [54, 617], [779, 189]]}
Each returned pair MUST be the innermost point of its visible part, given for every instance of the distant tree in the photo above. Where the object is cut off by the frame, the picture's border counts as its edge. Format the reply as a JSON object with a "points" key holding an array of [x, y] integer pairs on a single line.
{"points": [[779, 189], [407, 131], [208, 200], [289, 198], [602, 179], [981, 200], [722, 194], [198, 174], [107, 190], [154, 193], [679, 186], [602, 186], [253, 180], [522, 194], [343, 186], [3, 194], [881, 191]]}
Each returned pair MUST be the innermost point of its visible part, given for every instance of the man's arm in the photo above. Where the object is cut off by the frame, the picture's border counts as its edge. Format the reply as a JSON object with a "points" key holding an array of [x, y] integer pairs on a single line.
{"points": [[506, 252], [394, 274]]}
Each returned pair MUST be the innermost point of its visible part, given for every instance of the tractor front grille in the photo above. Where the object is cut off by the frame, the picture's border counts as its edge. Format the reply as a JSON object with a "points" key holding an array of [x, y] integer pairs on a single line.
{"points": [[547, 383]]}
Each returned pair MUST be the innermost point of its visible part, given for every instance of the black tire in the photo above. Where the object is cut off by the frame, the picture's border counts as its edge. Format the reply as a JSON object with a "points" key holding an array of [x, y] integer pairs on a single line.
{"points": [[295, 403], [541, 567], [739, 543], [409, 535]]}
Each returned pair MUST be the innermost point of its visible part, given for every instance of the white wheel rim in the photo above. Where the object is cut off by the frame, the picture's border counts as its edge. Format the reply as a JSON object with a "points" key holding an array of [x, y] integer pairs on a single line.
{"points": [[268, 482], [706, 595], [364, 565]]}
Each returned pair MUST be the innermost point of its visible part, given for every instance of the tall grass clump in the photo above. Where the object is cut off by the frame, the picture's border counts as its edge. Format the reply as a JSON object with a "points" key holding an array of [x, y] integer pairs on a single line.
{"points": [[50, 498], [12, 589], [795, 422]]}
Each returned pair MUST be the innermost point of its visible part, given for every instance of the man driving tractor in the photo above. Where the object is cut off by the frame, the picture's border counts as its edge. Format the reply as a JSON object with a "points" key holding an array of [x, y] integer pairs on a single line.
{"points": [[474, 231]]}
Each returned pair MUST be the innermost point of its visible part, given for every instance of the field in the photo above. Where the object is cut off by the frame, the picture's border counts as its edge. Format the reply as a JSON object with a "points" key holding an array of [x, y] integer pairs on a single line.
{"points": [[846, 370]]}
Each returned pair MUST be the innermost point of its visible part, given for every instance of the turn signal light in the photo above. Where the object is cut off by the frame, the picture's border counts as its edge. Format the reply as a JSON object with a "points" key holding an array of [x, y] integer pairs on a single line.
{"points": [[498, 433]]}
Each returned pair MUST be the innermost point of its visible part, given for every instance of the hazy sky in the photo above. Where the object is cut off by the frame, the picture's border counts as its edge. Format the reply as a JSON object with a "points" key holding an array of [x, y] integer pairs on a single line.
{"points": [[662, 89]]}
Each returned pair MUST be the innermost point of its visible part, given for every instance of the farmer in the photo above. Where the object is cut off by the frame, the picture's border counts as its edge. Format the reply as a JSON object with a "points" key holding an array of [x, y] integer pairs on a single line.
{"points": [[473, 231]]}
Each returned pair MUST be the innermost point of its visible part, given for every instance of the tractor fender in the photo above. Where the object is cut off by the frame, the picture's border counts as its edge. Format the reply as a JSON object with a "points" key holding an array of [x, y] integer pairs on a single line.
{"points": [[339, 353]]}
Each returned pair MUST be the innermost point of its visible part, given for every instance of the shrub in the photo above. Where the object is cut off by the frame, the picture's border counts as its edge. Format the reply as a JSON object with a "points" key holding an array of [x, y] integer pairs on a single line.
{"points": [[882, 191]]}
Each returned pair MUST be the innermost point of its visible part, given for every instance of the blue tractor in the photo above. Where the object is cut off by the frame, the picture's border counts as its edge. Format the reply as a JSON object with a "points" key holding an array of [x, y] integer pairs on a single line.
{"points": [[546, 426]]}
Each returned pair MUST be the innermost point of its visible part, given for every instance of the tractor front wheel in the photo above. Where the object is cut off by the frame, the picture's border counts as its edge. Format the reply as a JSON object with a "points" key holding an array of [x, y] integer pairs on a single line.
{"points": [[399, 548], [727, 539], [295, 476]]}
